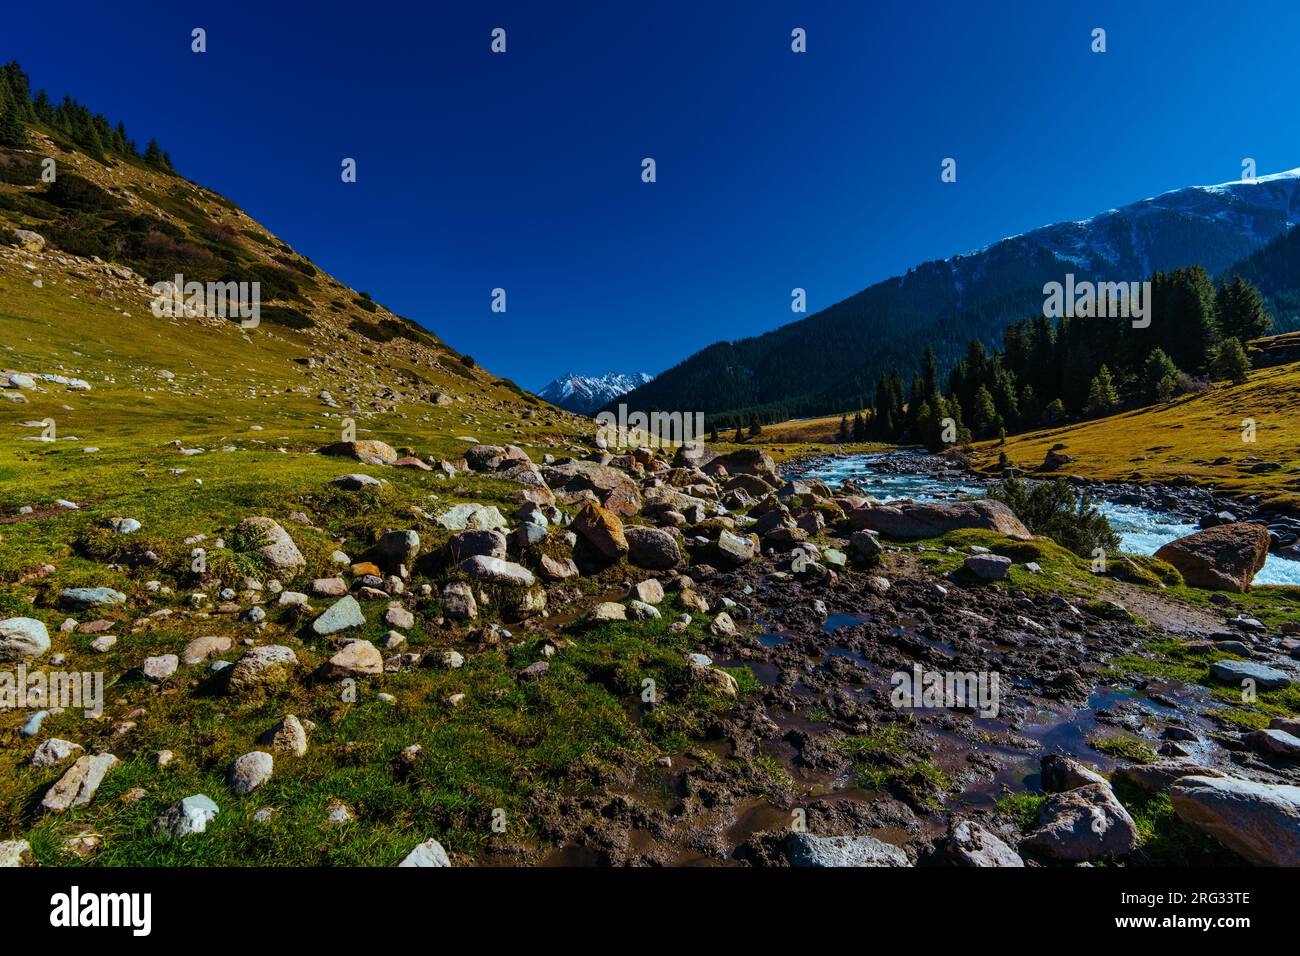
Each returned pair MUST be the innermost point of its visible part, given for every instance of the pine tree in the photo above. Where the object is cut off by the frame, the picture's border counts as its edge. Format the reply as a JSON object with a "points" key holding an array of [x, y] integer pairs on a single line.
{"points": [[755, 429], [1241, 311], [740, 435], [843, 435], [929, 373], [985, 413], [1102, 396], [1231, 361], [1159, 377], [859, 427], [153, 154], [12, 132]]}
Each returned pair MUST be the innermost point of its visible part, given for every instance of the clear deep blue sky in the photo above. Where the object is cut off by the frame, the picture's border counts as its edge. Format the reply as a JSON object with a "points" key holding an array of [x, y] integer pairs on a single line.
{"points": [[775, 170]]}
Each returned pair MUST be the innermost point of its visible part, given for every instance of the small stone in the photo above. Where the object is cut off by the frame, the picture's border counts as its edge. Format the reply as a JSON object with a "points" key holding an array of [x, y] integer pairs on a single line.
{"points": [[53, 752], [342, 614], [356, 659], [187, 816], [608, 611], [161, 667], [428, 853], [250, 771]]}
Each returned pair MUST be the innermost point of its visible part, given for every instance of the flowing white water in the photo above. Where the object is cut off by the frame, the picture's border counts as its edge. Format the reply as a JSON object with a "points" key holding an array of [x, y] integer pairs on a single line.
{"points": [[1141, 530]]}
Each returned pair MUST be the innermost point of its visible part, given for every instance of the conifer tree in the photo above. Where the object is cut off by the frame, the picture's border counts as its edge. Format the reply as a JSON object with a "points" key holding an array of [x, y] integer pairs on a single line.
{"points": [[1102, 396]]}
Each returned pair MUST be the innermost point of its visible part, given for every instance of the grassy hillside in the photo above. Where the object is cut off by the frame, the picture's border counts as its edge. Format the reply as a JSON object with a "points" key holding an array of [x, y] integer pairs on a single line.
{"points": [[1195, 436]]}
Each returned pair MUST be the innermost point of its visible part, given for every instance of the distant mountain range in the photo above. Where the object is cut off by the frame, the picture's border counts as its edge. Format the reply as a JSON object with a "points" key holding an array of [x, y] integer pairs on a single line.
{"points": [[585, 394], [830, 361]]}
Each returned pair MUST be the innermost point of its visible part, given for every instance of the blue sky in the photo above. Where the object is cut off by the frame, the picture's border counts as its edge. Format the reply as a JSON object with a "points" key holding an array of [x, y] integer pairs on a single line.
{"points": [[775, 170]]}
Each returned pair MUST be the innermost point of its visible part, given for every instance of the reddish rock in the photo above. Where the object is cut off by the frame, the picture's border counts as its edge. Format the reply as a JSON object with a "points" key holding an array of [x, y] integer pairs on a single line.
{"points": [[1224, 558]]}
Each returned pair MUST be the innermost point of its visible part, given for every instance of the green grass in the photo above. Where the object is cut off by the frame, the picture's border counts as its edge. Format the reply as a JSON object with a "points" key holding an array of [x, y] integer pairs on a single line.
{"points": [[1021, 808], [1124, 748], [886, 758], [506, 742]]}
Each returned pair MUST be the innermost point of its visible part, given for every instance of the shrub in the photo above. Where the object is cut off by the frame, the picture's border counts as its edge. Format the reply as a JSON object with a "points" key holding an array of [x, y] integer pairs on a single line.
{"points": [[1050, 508]]}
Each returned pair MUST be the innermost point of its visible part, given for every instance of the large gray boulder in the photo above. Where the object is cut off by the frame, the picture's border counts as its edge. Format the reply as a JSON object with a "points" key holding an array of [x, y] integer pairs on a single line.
{"points": [[652, 548], [1234, 672], [1259, 821], [1083, 824]]}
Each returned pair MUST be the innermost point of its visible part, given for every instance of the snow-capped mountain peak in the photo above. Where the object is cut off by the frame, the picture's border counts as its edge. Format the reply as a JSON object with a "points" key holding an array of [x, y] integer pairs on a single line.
{"points": [[584, 394]]}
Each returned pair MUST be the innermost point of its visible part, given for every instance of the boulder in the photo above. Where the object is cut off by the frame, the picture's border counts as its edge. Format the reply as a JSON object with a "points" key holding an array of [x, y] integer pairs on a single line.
{"points": [[78, 785], [497, 571], [369, 451], [458, 601], [608, 611], [649, 591], [287, 737], [911, 521], [428, 853], [1234, 672], [602, 529], [1223, 558], [558, 569], [652, 548], [277, 548], [468, 544], [615, 490], [201, 648], [339, 616], [82, 598], [1276, 743], [14, 853], [187, 816], [866, 543], [1060, 773], [988, 567], [53, 752], [1259, 821], [161, 667], [23, 639], [745, 461], [1158, 777], [471, 517], [250, 771], [969, 844], [356, 659], [734, 549], [266, 666], [804, 849], [397, 547], [1083, 824]]}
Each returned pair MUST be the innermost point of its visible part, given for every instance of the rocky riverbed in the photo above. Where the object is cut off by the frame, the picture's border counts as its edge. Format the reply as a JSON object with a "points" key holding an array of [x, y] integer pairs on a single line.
{"points": [[849, 683]]}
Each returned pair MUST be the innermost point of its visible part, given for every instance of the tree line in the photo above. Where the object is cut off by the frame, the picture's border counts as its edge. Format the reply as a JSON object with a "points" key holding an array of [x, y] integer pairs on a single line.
{"points": [[1051, 371], [89, 131]]}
